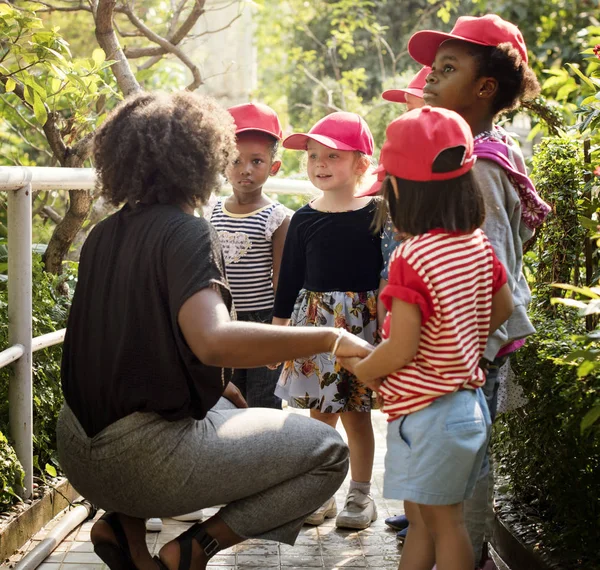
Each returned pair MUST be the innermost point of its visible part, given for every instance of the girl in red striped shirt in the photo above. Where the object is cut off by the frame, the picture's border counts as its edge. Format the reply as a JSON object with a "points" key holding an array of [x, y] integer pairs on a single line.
{"points": [[446, 292]]}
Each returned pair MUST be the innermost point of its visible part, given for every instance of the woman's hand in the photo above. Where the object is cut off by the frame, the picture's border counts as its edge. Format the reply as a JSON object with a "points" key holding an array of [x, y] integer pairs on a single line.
{"points": [[351, 345], [233, 394]]}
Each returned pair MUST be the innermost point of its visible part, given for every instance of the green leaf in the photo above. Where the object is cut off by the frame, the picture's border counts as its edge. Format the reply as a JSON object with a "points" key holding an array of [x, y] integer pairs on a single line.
{"points": [[590, 418], [50, 470], [585, 368], [98, 56], [39, 109], [10, 85], [577, 72]]}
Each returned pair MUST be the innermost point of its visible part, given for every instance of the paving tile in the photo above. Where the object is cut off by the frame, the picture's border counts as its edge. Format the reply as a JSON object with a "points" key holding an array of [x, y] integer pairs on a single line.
{"points": [[303, 561], [73, 557], [344, 561], [249, 561]]}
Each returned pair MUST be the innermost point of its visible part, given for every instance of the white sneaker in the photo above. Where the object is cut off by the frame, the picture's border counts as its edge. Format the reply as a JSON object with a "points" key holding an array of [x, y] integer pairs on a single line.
{"points": [[359, 511], [326, 511], [154, 525], [190, 517]]}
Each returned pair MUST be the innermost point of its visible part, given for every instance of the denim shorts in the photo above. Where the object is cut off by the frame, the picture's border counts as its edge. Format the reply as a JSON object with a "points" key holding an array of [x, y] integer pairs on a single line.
{"points": [[435, 456]]}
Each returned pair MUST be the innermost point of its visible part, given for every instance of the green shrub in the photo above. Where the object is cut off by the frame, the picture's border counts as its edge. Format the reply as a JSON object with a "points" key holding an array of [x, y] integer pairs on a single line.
{"points": [[50, 302], [552, 467], [11, 473]]}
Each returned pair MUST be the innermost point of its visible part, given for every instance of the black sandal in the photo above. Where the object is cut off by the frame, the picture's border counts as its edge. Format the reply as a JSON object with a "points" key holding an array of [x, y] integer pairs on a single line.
{"points": [[115, 556], [196, 532]]}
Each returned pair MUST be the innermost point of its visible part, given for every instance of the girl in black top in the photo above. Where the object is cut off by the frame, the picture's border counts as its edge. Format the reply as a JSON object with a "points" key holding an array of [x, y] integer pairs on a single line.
{"points": [[329, 277]]}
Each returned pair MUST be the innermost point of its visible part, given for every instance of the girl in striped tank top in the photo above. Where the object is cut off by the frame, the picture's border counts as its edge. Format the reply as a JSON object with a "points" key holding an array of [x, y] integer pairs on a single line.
{"points": [[447, 291], [252, 230]]}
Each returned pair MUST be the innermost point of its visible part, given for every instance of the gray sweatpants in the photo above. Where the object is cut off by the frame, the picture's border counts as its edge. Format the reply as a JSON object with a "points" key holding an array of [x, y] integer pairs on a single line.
{"points": [[269, 468]]}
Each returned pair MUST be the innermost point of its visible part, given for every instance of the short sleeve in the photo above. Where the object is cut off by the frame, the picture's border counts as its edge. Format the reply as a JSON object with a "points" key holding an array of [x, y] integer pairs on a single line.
{"points": [[406, 284], [275, 219], [193, 261], [499, 274]]}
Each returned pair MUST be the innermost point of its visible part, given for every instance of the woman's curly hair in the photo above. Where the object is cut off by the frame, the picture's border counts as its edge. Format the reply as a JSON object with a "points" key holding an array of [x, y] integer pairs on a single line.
{"points": [[516, 80], [159, 148]]}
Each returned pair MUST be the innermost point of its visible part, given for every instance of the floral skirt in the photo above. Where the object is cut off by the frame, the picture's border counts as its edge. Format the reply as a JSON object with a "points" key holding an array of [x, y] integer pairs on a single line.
{"points": [[319, 381]]}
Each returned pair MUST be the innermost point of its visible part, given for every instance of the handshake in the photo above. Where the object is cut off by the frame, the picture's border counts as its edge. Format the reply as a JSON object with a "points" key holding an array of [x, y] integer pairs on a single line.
{"points": [[349, 350]]}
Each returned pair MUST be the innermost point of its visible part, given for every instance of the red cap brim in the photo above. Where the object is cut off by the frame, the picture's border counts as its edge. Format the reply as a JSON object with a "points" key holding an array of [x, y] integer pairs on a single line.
{"points": [[423, 46], [399, 95], [372, 191], [299, 141], [266, 131]]}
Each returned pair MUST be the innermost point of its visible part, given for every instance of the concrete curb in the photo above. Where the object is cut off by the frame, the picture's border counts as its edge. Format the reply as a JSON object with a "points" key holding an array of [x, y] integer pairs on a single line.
{"points": [[18, 531], [513, 552]]}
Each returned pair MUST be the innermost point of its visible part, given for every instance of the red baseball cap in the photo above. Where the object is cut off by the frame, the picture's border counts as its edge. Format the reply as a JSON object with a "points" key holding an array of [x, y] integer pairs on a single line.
{"points": [[415, 87], [256, 117], [416, 139], [488, 30], [339, 130]]}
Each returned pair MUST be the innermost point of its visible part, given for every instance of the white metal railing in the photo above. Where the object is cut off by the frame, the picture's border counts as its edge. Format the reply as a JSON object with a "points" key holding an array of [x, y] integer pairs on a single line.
{"points": [[20, 182]]}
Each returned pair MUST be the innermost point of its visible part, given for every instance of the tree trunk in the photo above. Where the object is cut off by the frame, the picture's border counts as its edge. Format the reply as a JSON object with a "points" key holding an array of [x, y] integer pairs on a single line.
{"points": [[80, 202]]}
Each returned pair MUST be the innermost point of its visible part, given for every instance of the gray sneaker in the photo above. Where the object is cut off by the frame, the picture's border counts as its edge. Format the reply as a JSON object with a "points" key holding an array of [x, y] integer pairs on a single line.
{"points": [[154, 525], [326, 511], [359, 511]]}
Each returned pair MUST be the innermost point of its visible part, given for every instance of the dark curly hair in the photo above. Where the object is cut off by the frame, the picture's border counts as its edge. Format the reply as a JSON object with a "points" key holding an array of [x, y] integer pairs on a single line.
{"points": [[516, 80], [160, 148]]}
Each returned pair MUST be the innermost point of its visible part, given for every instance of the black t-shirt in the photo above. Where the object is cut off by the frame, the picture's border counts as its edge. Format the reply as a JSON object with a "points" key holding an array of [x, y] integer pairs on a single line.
{"points": [[124, 351], [328, 251]]}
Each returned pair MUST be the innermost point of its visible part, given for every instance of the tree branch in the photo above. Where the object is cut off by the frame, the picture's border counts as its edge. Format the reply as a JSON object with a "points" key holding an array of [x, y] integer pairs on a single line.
{"points": [[108, 41], [52, 214], [175, 39], [330, 105], [168, 47]]}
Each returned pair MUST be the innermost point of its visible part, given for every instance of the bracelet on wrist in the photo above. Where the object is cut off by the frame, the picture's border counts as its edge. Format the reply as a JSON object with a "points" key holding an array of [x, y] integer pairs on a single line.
{"points": [[336, 343]]}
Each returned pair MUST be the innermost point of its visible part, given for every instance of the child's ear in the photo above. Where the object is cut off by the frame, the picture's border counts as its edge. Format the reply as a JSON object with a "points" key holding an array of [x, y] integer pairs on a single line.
{"points": [[275, 166], [362, 165], [488, 87]]}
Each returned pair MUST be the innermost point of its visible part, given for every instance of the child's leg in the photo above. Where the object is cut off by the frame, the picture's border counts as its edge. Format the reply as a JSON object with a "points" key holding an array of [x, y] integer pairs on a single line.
{"points": [[361, 442], [359, 508], [418, 552], [446, 525], [329, 419]]}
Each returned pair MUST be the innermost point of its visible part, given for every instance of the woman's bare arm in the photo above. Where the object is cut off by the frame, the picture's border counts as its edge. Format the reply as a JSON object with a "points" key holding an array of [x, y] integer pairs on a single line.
{"points": [[217, 341]]}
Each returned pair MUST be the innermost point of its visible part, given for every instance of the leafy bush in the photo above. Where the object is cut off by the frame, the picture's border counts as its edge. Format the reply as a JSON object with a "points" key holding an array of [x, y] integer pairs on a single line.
{"points": [[11, 473], [552, 467], [550, 463], [51, 299]]}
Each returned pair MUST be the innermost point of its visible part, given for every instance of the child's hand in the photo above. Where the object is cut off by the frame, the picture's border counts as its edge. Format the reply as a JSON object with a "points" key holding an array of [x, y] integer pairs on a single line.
{"points": [[274, 366], [349, 362], [233, 394], [372, 384]]}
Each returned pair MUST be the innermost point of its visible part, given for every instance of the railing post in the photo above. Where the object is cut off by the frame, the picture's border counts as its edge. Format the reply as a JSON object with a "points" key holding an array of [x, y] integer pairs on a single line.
{"points": [[20, 393]]}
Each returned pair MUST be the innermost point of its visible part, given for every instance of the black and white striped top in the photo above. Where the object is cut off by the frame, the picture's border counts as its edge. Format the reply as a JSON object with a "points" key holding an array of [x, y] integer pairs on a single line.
{"points": [[246, 240]]}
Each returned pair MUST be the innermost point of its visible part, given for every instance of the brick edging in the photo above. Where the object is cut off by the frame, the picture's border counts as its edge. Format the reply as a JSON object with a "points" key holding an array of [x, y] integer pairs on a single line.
{"points": [[27, 523]]}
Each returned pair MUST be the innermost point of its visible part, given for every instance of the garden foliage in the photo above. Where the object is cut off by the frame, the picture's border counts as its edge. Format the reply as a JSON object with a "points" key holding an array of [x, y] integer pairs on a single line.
{"points": [[552, 465], [49, 314]]}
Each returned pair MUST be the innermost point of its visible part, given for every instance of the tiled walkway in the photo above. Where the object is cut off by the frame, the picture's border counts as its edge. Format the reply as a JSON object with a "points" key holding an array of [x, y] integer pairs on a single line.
{"points": [[317, 547]]}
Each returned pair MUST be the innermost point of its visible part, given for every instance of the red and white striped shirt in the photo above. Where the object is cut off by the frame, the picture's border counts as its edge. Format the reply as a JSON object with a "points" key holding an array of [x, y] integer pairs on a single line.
{"points": [[452, 278]]}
